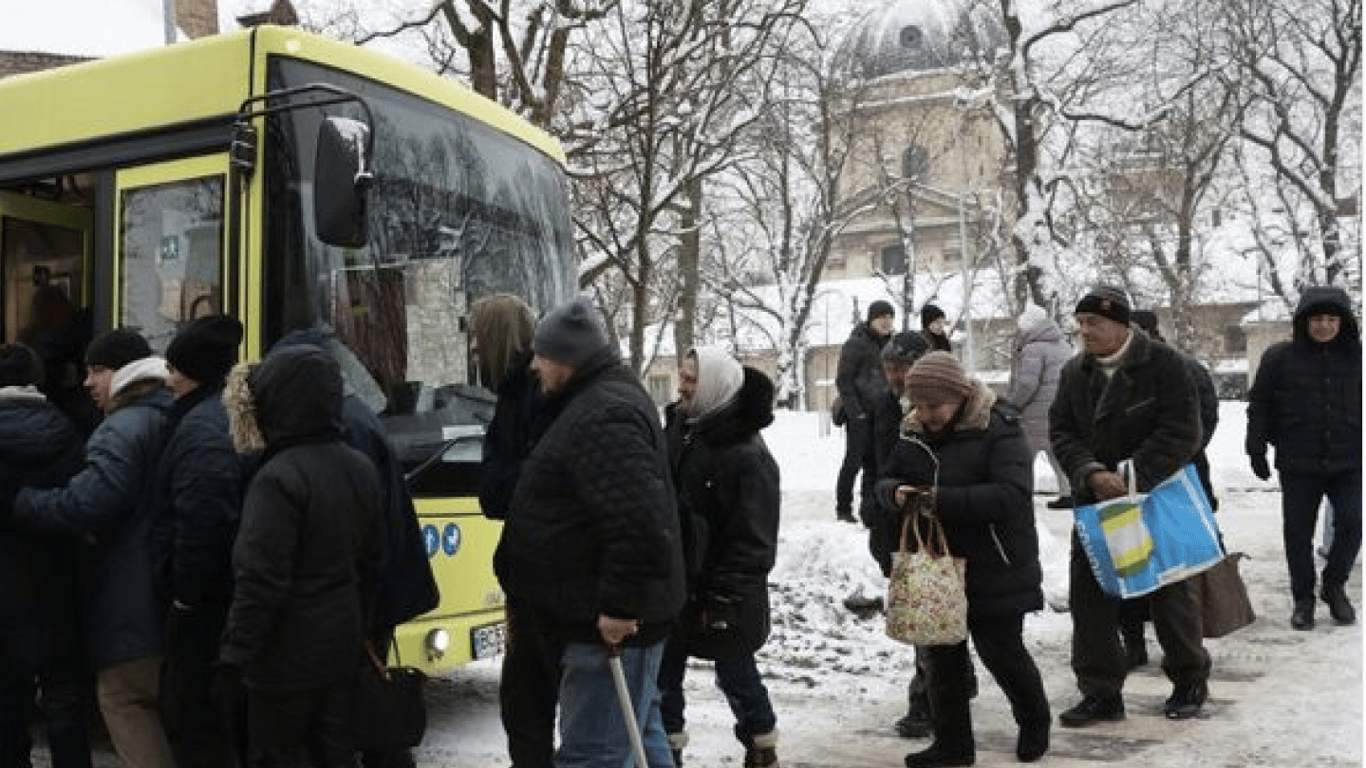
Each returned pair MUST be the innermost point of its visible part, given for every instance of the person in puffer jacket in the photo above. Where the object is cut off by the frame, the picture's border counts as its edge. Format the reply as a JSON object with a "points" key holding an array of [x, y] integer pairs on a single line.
{"points": [[963, 456], [40, 639], [1306, 402], [303, 563], [112, 503], [728, 502]]}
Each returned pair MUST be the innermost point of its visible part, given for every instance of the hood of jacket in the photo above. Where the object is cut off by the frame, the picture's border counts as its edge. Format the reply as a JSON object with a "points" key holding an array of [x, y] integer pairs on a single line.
{"points": [[1041, 329], [295, 396], [748, 413], [976, 411], [1318, 296]]}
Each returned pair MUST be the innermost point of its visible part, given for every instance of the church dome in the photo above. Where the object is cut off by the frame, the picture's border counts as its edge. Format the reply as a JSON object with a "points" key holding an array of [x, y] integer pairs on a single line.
{"points": [[922, 36]]}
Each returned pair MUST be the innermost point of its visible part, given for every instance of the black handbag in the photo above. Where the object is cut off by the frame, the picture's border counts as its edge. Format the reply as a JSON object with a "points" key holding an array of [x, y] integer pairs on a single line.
{"points": [[387, 708]]}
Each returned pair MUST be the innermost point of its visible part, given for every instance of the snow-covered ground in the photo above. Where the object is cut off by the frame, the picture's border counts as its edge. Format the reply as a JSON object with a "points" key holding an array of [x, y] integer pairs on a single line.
{"points": [[1278, 697]]}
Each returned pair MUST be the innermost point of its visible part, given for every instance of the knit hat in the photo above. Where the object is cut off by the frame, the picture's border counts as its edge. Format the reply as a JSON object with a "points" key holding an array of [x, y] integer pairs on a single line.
{"points": [[938, 375], [905, 347], [206, 349], [880, 308], [1147, 320], [1108, 302], [928, 314], [20, 366], [117, 348], [570, 334]]}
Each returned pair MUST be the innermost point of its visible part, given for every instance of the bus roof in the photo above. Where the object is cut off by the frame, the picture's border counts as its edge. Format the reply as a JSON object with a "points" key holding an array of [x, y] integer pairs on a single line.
{"points": [[201, 80]]}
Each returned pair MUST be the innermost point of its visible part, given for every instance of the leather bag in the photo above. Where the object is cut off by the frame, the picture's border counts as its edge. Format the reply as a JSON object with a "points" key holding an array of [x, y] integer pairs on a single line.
{"points": [[927, 601], [387, 708], [1224, 604]]}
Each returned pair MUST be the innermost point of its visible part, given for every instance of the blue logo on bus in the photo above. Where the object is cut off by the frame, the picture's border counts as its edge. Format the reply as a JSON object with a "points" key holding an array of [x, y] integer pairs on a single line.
{"points": [[450, 539], [431, 540]]}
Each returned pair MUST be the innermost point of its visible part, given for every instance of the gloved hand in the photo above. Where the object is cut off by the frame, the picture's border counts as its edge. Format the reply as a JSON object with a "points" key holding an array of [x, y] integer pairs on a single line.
{"points": [[1259, 466]]}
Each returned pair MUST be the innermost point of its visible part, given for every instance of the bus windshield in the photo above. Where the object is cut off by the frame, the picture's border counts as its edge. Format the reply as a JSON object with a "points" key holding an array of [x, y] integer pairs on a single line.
{"points": [[458, 211]]}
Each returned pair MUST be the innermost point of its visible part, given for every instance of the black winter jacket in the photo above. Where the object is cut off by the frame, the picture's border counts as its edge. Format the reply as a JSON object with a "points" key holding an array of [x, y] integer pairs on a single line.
{"points": [[518, 421], [1306, 397], [1148, 411], [112, 502], [728, 507], [306, 553], [859, 378], [593, 525], [986, 478], [201, 479], [39, 574]]}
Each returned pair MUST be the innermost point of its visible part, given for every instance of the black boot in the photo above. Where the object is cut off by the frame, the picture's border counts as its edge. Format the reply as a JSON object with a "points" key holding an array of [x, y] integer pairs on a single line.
{"points": [[1302, 617], [1032, 743], [938, 756], [1339, 607]]}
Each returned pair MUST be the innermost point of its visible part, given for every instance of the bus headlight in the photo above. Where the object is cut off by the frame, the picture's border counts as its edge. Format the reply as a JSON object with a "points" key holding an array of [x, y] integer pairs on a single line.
{"points": [[438, 640]]}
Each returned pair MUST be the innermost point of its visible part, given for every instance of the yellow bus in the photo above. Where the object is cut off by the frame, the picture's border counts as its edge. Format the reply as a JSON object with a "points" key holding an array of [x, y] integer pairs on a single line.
{"points": [[296, 183]]}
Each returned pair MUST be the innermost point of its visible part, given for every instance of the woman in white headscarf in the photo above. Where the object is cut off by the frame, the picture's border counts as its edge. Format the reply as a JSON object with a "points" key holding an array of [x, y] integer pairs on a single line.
{"points": [[728, 499]]}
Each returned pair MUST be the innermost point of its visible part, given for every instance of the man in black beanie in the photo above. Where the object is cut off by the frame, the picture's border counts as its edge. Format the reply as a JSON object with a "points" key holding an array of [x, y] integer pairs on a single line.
{"points": [[114, 498], [201, 482], [1125, 399], [597, 483], [932, 328], [861, 386]]}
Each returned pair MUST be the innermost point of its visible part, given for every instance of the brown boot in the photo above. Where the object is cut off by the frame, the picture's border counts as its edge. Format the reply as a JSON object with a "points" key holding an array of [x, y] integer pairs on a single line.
{"points": [[762, 751]]}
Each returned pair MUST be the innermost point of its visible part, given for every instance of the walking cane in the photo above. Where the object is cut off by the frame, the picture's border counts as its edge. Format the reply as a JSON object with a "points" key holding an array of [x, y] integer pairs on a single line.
{"points": [[628, 712]]}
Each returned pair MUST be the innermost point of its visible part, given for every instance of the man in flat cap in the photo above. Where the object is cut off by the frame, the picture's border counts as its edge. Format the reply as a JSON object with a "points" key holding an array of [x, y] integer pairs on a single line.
{"points": [[591, 547], [1125, 398]]}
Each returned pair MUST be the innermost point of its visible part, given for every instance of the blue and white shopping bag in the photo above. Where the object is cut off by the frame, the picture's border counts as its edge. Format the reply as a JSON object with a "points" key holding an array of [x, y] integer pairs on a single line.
{"points": [[1144, 541]]}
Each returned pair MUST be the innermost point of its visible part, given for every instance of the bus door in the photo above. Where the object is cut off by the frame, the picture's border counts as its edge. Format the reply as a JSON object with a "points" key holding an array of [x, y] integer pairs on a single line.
{"points": [[45, 258], [169, 265]]}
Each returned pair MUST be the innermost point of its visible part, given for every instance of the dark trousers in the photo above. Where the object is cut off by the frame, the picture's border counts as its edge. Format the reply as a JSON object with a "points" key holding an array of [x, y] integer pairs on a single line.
{"points": [[738, 678], [528, 691], [288, 729], [56, 675], [1098, 658], [859, 457], [382, 640], [1000, 645], [1301, 495], [193, 726]]}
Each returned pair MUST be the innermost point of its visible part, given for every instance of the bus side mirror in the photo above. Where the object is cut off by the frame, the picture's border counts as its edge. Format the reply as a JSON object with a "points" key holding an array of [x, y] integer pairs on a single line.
{"points": [[341, 178]]}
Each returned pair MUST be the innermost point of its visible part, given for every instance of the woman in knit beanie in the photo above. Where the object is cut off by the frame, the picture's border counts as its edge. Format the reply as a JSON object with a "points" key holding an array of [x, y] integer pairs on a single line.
{"points": [[964, 455]]}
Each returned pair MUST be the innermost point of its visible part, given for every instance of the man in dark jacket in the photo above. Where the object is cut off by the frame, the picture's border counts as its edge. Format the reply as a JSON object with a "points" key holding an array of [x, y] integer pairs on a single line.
{"points": [[966, 457], [304, 561], [1125, 399], [113, 503], [860, 384], [201, 491], [932, 328], [1306, 401], [591, 544], [728, 503], [40, 637]]}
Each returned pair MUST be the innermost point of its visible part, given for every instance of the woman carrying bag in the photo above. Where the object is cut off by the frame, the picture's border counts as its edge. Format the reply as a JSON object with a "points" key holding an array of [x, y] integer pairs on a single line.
{"points": [[983, 500]]}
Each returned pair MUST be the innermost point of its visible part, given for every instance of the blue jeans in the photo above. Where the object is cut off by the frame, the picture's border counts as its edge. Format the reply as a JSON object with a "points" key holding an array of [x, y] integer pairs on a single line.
{"points": [[592, 729], [738, 678]]}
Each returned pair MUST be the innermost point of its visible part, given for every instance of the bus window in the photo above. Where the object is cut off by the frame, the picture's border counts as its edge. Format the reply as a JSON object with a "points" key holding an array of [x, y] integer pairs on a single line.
{"points": [[172, 256], [458, 210]]}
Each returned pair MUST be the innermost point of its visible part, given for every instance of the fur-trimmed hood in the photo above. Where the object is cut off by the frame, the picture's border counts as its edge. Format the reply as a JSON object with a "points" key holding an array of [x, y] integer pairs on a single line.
{"points": [[976, 411], [292, 396]]}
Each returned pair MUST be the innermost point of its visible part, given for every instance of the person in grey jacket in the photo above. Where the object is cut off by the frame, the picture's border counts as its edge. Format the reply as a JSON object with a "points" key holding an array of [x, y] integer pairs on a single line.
{"points": [[1040, 352], [1306, 402], [113, 502]]}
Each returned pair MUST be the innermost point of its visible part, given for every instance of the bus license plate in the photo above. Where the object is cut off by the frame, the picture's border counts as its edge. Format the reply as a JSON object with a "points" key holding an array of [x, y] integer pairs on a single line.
{"points": [[488, 640]]}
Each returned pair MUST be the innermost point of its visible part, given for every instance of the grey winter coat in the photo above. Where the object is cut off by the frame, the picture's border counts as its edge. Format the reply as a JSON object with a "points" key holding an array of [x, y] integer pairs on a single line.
{"points": [[1040, 354], [1306, 398], [112, 502]]}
